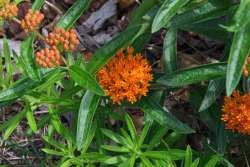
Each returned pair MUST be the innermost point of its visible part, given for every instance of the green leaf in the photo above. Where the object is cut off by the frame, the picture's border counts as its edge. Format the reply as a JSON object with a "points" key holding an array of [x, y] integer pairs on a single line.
{"points": [[50, 78], [209, 28], [56, 122], [115, 148], [241, 17], [156, 138], [173, 154], [146, 161], [163, 117], [142, 10], [207, 11], [19, 63], [115, 160], [11, 124], [144, 133], [27, 54], [193, 75], [23, 86], [54, 142], [37, 4], [72, 162], [128, 141], [166, 12], [86, 113], [53, 152], [94, 157], [90, 137], [105, 53], [214, 89], [169, 58], [73, 14], [229, 164], [238, 54], [131, 127], [188, 157], [115, 137], [213, 161], [132, 160], [30, 117], [16, 90], [195, 163], [84, 79], [67, 163], [8, 63], [18, 1]]}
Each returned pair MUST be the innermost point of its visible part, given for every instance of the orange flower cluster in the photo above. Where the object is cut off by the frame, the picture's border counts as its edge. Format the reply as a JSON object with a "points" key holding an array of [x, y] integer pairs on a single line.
{"points": [[32, 20], [236, 112], [61, 38], [48, 58], [8, 10], [126, 77], [245, 70]]}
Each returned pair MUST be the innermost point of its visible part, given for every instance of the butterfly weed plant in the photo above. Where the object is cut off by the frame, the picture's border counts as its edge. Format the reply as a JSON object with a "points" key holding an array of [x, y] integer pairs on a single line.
{"points": [[105, 95]]}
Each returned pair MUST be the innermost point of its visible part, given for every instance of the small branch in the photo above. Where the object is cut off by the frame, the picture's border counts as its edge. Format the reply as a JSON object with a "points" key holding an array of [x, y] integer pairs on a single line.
{"points": [[54, 7], [16, 20]]}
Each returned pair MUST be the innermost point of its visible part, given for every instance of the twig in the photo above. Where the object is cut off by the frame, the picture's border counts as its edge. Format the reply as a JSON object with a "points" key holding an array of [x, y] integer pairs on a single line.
{"points": [[54, 7]]}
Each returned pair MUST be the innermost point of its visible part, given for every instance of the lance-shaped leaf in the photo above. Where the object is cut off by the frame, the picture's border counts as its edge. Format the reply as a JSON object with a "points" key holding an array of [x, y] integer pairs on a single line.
{"points": [[169, 58], [144, 7], [163, 117], [84, 79], [73, 14], [238, 54], [214, 89], [37, 4], [209, 28], [11, 124], [193, 75], [27, 56], [209, 10], [21, 87], [86, 113], [241, 17], [30, 117], [166, 12]]}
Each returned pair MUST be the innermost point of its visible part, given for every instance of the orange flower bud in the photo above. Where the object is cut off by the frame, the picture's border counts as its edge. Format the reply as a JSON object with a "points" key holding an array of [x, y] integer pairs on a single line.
{"points": [[32, 20], [245, 73], [8, 11], [48, 58], [66, 39]]}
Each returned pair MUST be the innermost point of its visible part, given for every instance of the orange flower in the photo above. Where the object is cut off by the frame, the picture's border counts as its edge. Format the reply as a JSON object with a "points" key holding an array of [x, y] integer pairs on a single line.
{"points": [[65, 39], [32, 20], [8, 11], [126, 77], [48, 58], [236, 112]]}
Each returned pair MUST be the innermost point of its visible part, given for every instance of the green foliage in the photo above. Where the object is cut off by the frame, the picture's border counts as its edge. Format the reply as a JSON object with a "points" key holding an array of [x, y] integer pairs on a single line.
{"points": [[239, 51], [193, 75], [166, 12], [100, 133], [71, 16]]}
